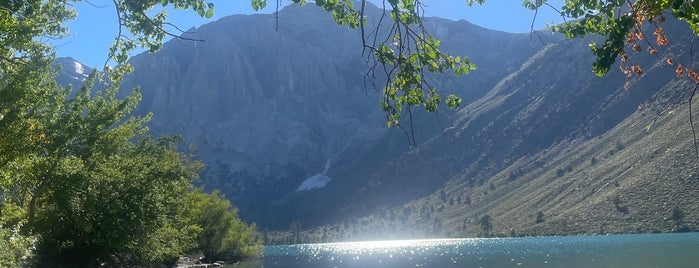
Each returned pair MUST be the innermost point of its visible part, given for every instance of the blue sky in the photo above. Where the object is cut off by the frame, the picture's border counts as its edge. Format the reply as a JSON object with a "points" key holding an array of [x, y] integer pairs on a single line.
{"points": [[96, 26]]}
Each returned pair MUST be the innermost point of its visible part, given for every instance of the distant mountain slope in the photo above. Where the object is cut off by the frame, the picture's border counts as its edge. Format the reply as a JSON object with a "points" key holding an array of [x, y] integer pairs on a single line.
{"points": [[266, 109], [540, 144], [630, 179], [71, 72], [551, 149]]}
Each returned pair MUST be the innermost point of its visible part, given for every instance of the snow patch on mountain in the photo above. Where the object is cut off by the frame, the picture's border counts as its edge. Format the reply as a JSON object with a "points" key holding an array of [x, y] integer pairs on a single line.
{"points": [[316, 181], [71, 71], [79, 71]]}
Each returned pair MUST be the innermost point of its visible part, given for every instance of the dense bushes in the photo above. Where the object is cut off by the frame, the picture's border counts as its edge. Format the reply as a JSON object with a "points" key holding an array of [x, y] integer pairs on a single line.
{"points": [[82, 183]]}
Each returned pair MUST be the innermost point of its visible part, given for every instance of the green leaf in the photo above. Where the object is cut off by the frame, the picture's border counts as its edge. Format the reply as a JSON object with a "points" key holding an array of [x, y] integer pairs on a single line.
{"points": [[453, 101], [258, 4]]}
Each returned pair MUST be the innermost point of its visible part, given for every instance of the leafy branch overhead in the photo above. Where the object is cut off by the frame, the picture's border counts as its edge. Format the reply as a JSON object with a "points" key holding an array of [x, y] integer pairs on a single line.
{"points": [[625, 24], [137, 28], [402, 51], [406, 50]]}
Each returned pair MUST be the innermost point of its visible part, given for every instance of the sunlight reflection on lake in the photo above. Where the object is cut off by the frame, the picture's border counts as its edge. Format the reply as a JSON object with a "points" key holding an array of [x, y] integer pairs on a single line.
{"points": [[657, 250]]}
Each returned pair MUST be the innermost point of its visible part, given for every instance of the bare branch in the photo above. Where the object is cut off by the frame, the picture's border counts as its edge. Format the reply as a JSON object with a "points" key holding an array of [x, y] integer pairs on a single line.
{"points": [[691, 120], [117, 40], [160, 28], [94, 5], [533, 32]]}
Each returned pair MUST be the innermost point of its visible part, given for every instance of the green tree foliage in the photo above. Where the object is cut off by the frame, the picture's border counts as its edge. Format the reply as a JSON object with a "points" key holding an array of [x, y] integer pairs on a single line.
{"points": [[625, 25], [99, 190], [15, 247], [486, 224], [24, 94], [677, 218], [540, 217], [23, 22], [222, 235], [81, 181]]}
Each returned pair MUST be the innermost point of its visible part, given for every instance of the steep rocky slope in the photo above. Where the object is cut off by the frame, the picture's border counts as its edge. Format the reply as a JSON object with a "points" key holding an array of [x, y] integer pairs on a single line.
{"points": [[267, 109], [540, 145], [551, 149]]}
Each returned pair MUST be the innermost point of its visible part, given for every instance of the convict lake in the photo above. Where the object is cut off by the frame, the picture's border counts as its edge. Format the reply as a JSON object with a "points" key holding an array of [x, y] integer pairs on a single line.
{"points": [[674, 250]]}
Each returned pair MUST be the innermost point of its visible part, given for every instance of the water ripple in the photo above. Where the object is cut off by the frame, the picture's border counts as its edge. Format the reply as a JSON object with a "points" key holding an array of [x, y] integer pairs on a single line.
{"points": [[660, 250]]}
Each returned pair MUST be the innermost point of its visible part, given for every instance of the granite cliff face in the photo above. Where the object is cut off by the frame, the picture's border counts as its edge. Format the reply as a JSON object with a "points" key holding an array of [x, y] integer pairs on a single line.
{"points": [[259, 99], [267, 108]]}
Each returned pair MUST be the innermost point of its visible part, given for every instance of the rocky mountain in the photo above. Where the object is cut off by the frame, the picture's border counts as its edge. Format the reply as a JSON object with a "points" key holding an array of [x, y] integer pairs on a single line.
{"points": [[550, 149], [291, 130], [268, 108], [71, 72], [264, 108]]}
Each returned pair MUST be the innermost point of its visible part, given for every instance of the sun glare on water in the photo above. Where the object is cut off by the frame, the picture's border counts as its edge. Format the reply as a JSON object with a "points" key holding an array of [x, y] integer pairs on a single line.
{"points": [[392, 244], [392, 248], [619, 251]]}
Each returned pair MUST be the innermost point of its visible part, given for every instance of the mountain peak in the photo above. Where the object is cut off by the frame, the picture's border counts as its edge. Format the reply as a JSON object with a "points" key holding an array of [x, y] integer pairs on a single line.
{"points": [[71, 71]]}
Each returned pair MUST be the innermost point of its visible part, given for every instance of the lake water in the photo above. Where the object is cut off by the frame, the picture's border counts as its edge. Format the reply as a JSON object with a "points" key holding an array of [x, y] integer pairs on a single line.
{"points": [[643, 250]]}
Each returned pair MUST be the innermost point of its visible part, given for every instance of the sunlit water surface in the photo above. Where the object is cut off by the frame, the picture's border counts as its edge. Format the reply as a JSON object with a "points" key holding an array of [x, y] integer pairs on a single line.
{"points": [[656, 250]]}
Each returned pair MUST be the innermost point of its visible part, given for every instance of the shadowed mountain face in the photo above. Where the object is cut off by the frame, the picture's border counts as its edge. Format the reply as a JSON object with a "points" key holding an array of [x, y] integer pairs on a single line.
{"points": [[266, 109], [290, 128]]}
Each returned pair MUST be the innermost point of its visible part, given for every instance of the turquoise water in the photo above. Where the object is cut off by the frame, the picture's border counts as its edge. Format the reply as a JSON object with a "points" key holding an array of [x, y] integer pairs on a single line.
{"points": [[644, 250]]}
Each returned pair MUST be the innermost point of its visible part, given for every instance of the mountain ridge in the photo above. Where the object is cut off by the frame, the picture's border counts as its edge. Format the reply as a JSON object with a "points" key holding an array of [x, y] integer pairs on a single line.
{"points": [[266, 109], [272, 70]]}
